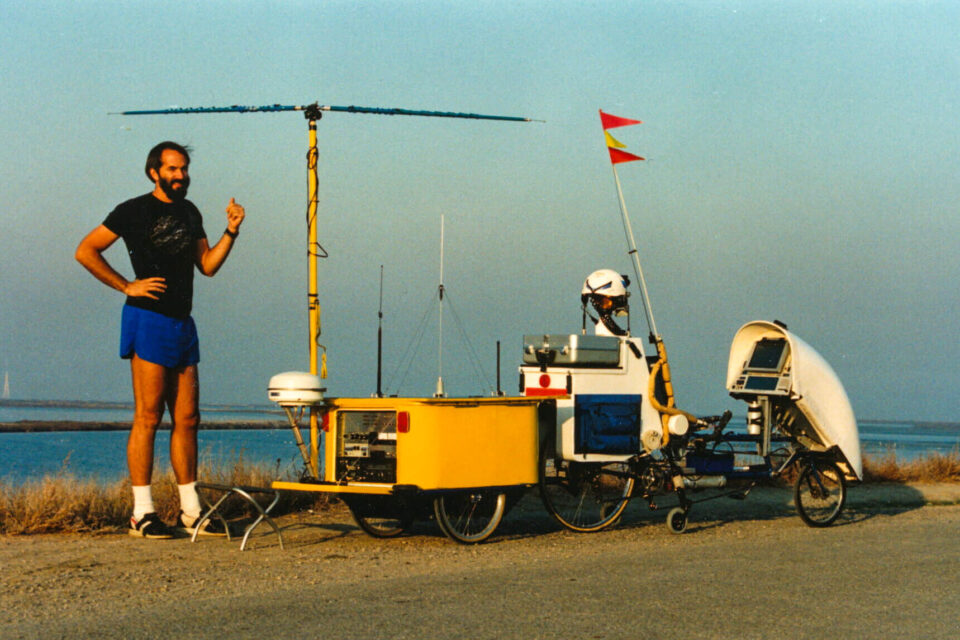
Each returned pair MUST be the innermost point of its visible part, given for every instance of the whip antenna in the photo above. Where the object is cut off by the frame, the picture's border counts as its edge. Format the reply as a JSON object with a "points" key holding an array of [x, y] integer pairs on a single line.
{"points": [[380, 337], [440, 393]]}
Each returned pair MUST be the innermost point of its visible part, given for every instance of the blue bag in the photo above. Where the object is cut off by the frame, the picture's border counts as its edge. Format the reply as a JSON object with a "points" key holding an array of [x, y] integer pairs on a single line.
{"points": [[607, 423]]}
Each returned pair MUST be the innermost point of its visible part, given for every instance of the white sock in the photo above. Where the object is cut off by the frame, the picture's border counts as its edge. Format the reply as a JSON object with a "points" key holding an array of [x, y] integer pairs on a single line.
{"points": [[142, 502], [189, 499]]}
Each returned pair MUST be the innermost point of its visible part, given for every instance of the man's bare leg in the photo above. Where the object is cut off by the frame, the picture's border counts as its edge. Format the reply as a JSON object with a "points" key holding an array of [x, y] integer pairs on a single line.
{"points": [[149, 383], [183, 401]]}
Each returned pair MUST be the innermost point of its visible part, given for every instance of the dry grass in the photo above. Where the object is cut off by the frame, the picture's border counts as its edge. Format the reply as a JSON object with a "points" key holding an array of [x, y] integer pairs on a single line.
{"points": [[930, 468], [63, 503], [933, 467]]}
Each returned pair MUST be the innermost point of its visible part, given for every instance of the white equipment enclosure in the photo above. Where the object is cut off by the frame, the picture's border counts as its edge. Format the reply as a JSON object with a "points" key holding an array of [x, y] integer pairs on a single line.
{"points": [[799, 391]]}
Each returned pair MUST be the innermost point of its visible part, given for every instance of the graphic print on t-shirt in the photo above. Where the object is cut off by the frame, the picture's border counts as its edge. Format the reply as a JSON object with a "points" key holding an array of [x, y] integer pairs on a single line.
{"points": [[170, 236]]}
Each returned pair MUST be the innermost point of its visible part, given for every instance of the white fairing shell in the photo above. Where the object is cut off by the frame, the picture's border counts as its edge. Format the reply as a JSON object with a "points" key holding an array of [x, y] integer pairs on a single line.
{"points": [[815, 389]]}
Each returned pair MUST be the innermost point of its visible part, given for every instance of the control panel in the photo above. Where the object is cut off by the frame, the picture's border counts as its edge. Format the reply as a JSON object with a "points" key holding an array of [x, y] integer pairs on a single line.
{"points": [[367, 446], [767, 369]]}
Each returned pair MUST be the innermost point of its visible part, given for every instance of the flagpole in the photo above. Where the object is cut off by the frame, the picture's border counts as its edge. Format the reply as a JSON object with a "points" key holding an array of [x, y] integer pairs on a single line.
{"points": [[661, 368], [632, 245]]}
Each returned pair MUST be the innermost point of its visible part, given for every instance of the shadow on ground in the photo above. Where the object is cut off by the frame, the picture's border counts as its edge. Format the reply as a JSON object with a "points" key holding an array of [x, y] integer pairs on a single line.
{"points": [[530, 519], [713, 509]]}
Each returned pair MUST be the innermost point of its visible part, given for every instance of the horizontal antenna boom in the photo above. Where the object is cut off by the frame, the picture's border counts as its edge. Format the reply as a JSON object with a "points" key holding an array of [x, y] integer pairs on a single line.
{"points": [[351, 109]]}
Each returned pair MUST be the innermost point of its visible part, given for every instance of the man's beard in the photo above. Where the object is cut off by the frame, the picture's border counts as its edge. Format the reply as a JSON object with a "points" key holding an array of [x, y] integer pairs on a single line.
{"points": [[175, 194]]}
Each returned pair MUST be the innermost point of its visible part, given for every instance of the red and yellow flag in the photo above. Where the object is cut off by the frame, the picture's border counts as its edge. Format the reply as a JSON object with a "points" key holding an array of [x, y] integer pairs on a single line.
{"points": [[614, 146]]}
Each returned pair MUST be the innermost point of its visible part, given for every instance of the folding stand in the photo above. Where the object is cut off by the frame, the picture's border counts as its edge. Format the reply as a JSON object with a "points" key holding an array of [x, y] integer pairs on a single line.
{"points": [[245, 493]]}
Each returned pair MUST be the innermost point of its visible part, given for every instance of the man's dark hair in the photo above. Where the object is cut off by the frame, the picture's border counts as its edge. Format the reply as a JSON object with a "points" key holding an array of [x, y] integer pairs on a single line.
{"points": [[153, 158]]}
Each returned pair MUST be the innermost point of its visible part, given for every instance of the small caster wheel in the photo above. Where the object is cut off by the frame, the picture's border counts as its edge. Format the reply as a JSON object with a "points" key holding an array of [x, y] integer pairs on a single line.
{"points": [[677, 520]]}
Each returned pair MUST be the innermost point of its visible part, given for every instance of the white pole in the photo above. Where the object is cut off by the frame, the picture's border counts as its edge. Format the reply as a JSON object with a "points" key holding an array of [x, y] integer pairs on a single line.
{"points": [[632, 245]]}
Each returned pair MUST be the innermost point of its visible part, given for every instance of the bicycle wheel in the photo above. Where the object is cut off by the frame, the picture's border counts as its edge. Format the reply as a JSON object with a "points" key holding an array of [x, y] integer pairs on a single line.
{"points": [[380, 518], [382, 527], [469, 516], [583, 496], [820, 493]]}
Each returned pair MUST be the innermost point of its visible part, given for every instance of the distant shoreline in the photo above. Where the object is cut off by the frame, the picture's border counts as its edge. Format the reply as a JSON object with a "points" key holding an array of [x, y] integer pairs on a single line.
{"points": [[273, 418], [103, 404], [39, 426]]}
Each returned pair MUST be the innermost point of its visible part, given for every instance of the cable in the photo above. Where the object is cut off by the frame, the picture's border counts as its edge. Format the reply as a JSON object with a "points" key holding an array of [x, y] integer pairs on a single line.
{"points": [[474, 358], [417, 339]]}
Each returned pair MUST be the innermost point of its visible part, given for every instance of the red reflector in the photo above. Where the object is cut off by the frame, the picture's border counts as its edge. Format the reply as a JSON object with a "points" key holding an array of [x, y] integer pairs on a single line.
{"points": [[403, 422], [325, 421], [533, 391], [544, 381]]}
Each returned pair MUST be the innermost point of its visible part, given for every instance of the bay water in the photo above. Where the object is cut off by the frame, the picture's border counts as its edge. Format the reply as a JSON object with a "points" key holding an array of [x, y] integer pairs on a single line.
{"points": [[101, 455]]}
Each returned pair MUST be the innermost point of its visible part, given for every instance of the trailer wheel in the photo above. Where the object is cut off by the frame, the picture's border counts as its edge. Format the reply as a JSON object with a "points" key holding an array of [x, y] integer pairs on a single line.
{"points": [[583, 496], [379, 516], [469, 517], [382, 526], [820, 492], [677, 520]]}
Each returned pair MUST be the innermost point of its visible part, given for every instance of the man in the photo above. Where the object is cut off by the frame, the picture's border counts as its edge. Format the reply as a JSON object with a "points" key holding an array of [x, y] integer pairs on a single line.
{"points": [[164, 235]]}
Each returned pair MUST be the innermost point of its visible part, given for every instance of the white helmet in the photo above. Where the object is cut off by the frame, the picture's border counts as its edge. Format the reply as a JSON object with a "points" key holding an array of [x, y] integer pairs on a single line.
{"points": [[605, 282], [607, 292]]}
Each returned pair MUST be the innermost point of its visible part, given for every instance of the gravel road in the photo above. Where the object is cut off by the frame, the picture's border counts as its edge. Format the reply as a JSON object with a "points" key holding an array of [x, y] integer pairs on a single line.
{"points": [[889, 568]]}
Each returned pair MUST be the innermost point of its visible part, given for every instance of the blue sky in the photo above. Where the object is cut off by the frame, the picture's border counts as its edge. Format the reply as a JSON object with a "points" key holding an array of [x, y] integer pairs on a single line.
{"points": [[800, 167]]}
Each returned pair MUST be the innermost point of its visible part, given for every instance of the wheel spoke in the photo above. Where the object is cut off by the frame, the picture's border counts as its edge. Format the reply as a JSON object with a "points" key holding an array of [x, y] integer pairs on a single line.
{"points": [[380, 518], [583, 496], [820, 493], [469, 517]]}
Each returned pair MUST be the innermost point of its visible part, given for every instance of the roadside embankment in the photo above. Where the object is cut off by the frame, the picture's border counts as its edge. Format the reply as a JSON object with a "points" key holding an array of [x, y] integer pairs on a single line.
{"points": [[744, 569]]}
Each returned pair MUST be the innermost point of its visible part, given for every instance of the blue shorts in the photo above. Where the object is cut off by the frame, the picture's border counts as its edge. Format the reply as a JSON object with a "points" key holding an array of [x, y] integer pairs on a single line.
{"points": [[157, 338]]}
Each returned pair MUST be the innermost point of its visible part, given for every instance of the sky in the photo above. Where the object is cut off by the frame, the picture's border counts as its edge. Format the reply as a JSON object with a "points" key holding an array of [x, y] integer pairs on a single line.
{"points": [[800, 166]]}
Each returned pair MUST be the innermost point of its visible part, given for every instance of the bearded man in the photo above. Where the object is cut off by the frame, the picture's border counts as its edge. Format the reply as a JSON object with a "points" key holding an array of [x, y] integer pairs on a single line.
{"points": [[164, 236]]}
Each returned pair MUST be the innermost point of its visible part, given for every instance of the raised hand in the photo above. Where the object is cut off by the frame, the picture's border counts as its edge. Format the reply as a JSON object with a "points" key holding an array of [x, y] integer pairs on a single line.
{"points": [[235, 216]]}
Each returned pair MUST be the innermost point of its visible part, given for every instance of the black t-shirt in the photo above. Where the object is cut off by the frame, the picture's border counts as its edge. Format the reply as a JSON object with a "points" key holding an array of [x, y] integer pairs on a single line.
{"points": [[161, 239]]}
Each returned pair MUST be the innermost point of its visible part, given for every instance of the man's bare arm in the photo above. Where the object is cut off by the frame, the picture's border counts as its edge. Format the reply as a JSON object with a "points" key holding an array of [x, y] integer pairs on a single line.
{"points": [[210, 259], [90, 254]]}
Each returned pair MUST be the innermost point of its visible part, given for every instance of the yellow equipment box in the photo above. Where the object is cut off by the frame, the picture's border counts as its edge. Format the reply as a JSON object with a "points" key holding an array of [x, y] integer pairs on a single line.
{"points": [[431, 443]]}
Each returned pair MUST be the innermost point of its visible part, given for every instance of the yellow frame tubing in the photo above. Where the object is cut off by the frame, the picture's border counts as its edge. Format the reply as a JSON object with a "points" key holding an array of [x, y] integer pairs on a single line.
{"points": [[663, 366], [365, 489]]}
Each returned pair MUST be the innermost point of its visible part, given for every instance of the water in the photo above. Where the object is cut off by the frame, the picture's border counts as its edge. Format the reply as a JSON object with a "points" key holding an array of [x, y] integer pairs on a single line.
{"points": [[908, 440], [102, 454], [52, 413]]}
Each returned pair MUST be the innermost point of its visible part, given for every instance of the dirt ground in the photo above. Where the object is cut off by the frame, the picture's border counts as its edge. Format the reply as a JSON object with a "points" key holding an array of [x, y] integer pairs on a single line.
{"points": [[747, 569]]}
